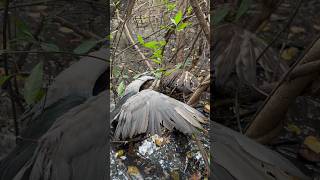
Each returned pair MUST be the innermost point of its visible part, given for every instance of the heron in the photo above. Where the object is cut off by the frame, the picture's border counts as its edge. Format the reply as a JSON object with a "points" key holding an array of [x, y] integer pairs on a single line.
{"points": [[71, 91], [70, 138], [234, 156]]}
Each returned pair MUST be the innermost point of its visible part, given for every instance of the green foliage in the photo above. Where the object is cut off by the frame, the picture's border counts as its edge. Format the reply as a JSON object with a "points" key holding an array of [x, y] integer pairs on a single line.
{"points": [[177, 18], [85, 46], [155, 47], [121, 88], [244, 6], [170, 6], [33, 91], [189, 10], [222, 13], [23, 30], [4, 79], [182, 26], [140, 39]]}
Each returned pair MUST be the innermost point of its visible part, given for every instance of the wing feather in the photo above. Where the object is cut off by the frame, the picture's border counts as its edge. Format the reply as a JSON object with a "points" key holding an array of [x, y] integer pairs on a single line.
{"points": [[148, 110]]}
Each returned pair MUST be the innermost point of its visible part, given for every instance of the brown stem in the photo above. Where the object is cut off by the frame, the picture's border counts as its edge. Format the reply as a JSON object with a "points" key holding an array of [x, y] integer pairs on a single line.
{"points": [[200, 15]]}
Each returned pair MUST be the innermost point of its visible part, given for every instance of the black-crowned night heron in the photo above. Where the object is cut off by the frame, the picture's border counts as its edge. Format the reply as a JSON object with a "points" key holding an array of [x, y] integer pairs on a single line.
{"points": [[235, 156], [65, 141], [145, 111], [68, 140]]}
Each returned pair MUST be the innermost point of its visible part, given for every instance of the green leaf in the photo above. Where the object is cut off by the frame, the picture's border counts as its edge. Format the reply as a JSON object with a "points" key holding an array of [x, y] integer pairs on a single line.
{"points": [[34, 84], [171, 6], [151, 44], [178, 17], [178, 66], [23, 31], [85, 46], [116, 71], [4, 79], [220, 14], [49, 47], [157, 74], [169, 72], [140, 39], [182, 26], [189, 10], [156, 61], [244, 6], [157, 54], [109, 37], [121, 88]]}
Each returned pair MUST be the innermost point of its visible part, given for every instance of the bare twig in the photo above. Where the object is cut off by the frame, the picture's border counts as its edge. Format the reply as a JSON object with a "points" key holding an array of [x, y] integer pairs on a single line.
{"points": [[201, 88], [136, 46], [276, 37], [200, 15]]}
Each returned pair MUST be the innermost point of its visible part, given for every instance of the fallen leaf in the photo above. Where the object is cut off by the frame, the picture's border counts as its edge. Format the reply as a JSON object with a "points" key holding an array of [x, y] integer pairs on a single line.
{"points": [[65, 30], [316, 27], [119, 153], [289, 53], [175, 175], [294, 129], [296, 29], [309, 155], [159, 141], [133, 170], [207, 108], [312, 143], [195, 176]]}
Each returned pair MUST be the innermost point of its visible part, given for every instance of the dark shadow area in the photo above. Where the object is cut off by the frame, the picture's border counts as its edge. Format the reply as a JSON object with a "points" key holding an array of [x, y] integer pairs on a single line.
{"points": [[265, 89]]}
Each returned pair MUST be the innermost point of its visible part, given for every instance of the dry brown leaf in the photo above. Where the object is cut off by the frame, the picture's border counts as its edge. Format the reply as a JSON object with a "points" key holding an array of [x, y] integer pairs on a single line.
{"points": [[296, 29], [207, 108], [119, 153], [289, 53], [65, 30], [175, 175], [312, 143], [159, 141], [294, 129], [133, 170]]}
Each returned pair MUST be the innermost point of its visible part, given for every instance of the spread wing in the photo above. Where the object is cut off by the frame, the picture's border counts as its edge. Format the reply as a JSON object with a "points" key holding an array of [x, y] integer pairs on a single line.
{"points": [[148, 110], [74, 147]]}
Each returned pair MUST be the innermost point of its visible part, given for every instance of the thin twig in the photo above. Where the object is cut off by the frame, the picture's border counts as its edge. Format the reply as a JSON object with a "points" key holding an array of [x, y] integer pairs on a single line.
{"points": [[191, 49], [281, 31], [135, 46]]}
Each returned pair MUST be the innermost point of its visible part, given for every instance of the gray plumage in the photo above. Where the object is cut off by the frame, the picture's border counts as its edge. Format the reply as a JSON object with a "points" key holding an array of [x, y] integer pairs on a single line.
{"points": [[79, 79], [134, 87], [245, 159], [148, 110], [74, 147], [59, 132]]}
